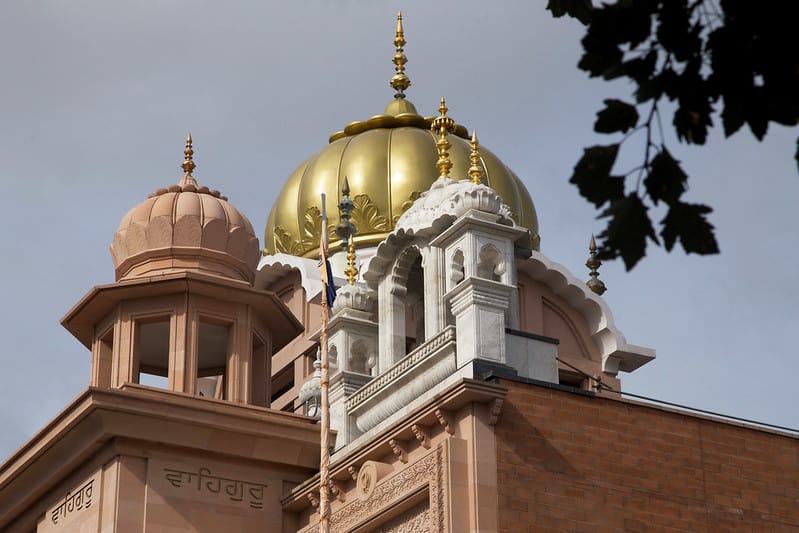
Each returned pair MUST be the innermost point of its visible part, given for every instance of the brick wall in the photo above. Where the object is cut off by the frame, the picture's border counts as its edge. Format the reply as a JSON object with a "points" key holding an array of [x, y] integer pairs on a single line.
{"points": [[570, 462]]}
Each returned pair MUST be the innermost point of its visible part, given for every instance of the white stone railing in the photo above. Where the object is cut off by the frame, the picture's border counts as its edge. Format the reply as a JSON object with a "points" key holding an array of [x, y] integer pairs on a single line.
{"points": [[405, 381]]}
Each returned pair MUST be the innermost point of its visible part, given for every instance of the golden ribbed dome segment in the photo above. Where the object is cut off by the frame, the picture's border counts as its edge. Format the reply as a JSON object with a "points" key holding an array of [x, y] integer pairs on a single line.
{"points": [[389, 159], [388, 169], [441, 126], [476, 170], [400, 81], [188, 165]]}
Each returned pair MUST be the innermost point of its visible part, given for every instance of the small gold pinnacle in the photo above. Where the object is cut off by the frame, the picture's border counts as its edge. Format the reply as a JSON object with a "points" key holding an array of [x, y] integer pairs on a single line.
{"points": [[441, 126], [475, 171], [400, 81], [351, 271], [188, 165], [593, 263]]}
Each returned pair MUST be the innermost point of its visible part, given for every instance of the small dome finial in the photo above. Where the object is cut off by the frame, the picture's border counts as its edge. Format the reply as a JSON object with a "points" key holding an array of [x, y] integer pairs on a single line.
{"points": [[351, 271], [475, 171], [400, 81], [442, 125], [345, 228], [188, 165], [593, 263]]}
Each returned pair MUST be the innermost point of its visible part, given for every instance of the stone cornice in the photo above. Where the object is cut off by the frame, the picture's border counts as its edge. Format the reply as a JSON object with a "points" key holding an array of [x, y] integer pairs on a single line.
{"points": [[462, 392], [99, 416]]}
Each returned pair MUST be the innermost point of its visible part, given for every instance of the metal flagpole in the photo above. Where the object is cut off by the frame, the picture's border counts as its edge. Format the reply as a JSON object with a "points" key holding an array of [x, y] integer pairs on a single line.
{"points": [[324, 455]]}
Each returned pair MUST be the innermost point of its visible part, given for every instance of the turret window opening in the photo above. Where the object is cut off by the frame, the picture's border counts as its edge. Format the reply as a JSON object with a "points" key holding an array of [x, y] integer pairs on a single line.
{"points": [[359, 359], [490, 264], [213, 350], [151, 352], [457, 273], [456, 268], [414, 306], [332, 358]]}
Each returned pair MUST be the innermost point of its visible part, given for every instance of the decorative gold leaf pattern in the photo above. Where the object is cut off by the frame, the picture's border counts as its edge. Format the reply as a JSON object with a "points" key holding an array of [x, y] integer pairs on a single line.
{"points": [[366, 216], [312, 229], [284, 243], [415, 195]]}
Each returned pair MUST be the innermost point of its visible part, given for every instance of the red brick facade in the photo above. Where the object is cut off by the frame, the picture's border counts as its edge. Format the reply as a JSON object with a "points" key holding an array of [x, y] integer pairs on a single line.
{"points": [[571, 462]]}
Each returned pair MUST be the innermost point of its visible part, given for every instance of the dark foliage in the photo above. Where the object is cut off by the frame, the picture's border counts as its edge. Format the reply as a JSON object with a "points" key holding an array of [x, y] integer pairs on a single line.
{"points": [[737, 60]]}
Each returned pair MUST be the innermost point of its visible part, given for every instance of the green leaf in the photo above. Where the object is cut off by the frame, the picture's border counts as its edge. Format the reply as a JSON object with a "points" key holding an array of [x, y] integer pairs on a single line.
{"points": [[579, 9], [592, 175], [598, 63], [666, 180], [627, 230], [687, 223], [641, 68], [666, 81], [692, 120], [675, 32], [617, 116]]}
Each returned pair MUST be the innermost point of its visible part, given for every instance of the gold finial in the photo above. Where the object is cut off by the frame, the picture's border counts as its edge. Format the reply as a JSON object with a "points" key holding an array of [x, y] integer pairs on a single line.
{"points": [[442, 125], [593, 263], [351, 271], [188, 163], [400, 82], [475, 171]]}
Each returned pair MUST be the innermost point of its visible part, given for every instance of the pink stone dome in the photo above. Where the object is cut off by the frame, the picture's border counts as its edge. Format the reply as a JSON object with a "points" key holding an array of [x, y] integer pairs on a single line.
{"points": [[185, 227]]}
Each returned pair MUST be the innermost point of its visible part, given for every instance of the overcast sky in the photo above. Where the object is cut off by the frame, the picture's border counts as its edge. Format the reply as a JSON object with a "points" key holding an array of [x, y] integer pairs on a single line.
{"points": [[96, 98]]}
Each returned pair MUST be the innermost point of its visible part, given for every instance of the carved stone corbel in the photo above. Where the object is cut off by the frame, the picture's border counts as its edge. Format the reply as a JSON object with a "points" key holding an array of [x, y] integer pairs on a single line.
{"points": [[493, 414], [443, 419], [421, 435], [336, 490], [353, 472], [399, 450], [314, 500]]}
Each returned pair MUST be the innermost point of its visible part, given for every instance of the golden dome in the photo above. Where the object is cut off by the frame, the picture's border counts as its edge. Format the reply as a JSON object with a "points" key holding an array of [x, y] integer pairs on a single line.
{"points": [[185, 227], [389, 160]]}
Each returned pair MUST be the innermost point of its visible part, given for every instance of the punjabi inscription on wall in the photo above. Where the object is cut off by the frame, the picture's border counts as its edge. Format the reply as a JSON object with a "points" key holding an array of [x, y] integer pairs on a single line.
{"points": [[211, 492], [76, 508], [202, 480]]}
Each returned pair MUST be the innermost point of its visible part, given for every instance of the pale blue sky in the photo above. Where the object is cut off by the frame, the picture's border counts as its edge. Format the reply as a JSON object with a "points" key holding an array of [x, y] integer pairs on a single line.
{"points": [[96, 98]]}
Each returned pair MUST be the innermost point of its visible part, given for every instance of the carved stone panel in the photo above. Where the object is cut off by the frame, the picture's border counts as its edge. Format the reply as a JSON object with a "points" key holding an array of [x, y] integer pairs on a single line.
{"points": [[414, 520], [428, 474]]}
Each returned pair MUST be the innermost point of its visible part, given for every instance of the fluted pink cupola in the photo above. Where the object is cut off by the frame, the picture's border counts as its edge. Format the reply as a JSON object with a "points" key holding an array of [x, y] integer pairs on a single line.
{"points": [[185, 227], [183, 314]]}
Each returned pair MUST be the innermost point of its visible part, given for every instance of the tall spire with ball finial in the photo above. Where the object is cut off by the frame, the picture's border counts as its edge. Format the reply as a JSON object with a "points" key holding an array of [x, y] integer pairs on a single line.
{"points": [[188, 165], [400, 81]]}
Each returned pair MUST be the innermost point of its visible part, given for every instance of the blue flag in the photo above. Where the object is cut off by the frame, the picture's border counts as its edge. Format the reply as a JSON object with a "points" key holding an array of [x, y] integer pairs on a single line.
{"points": [[325, 272]]}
